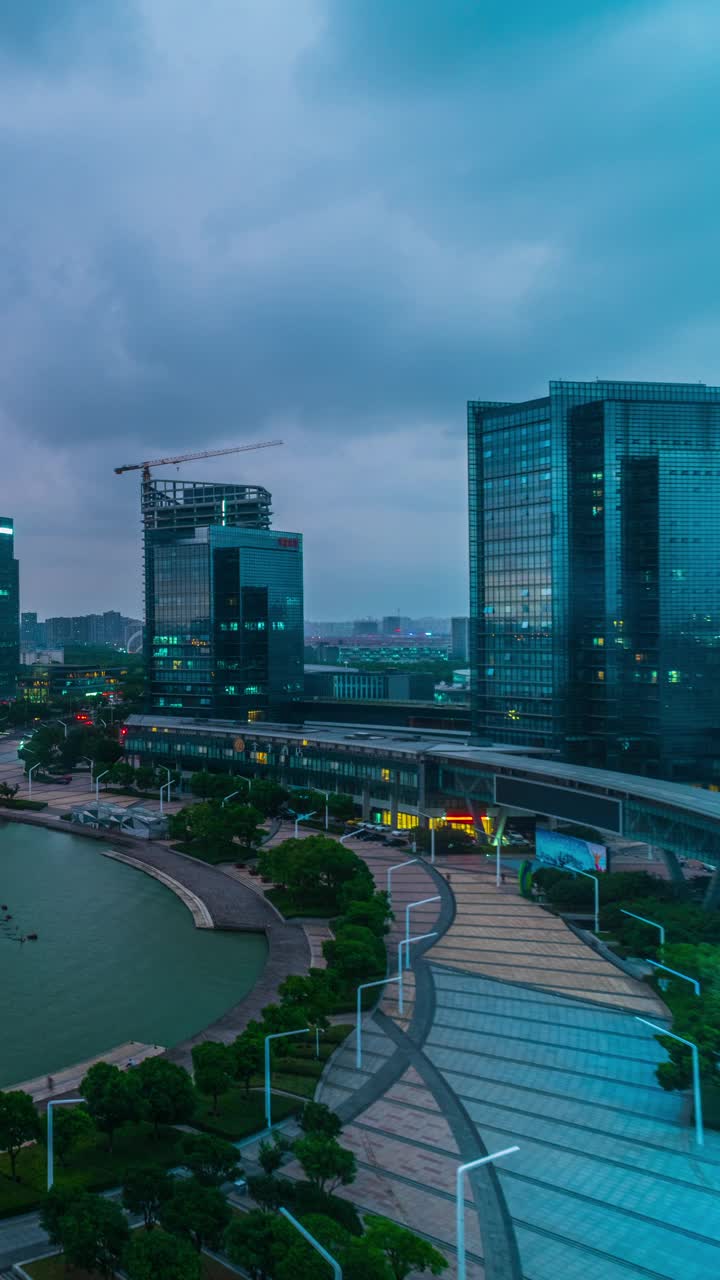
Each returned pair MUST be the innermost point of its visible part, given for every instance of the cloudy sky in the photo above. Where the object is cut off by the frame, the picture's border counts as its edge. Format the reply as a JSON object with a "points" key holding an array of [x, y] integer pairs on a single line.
{"points": [[333, 221]]}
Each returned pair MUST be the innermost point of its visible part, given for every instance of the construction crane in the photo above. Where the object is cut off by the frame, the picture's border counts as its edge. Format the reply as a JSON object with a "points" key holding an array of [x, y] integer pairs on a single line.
{"points": [[192, 457]]}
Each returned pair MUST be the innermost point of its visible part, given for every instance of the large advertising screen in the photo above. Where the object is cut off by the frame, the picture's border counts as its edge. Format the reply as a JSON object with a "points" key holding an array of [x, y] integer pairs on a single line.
{"points": [[553, 849]]}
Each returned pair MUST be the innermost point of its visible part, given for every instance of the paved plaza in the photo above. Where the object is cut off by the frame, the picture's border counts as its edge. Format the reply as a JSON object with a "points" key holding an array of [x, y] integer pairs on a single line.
{"points": [[519, 1033]]}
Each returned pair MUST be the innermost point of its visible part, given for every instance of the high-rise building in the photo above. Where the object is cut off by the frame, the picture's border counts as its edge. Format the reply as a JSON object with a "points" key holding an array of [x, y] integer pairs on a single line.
{"points": [[595, 588], [460, 638], [33, 634], [224, 609], [9, 610]]}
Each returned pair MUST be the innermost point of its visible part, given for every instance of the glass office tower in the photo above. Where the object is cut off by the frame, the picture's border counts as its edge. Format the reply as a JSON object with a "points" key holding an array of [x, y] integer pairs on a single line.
{"points": [[9, 611], [224, 616], [595, 587]]}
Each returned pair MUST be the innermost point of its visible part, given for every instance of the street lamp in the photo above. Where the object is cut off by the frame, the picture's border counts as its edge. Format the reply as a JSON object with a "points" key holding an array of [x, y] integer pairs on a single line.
{"points": [[575, 871], [277, 1035], [645, 920], [405, 942], [248, 780], [97, 784], [232, 793], [676, 972], [59, 1102], [31, 770], [167, 784], [498, 842], [431, 818], [300, 817], [337, 1269], [64, 725], [421, 902], [348, 836], [363, 987], [396, 867], [462, 1169], [697, 1096]]}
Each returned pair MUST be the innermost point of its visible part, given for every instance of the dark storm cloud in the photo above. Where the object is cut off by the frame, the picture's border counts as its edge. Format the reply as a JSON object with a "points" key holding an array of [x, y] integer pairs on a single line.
{"points": [[334, 220]]}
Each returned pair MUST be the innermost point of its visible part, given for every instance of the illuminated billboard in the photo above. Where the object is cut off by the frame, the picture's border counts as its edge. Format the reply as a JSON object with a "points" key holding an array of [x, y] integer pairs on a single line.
{"points": [[553, 849]]}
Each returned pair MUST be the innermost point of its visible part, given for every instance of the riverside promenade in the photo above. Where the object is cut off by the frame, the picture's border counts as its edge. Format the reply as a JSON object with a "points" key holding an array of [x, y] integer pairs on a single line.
{"points": [[517, 1032]]}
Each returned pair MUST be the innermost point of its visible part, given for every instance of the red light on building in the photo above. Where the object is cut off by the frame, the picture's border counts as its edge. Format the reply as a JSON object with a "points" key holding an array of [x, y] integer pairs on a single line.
{"points": [[459, 817], [123, 731]]}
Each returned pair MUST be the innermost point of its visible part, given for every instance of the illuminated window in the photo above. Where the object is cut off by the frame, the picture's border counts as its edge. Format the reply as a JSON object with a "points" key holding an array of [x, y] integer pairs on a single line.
{"points": [[599, 641], [230, 688], [177, 664], [513, 714], [385, 775], [674, 677], [261, 757], [600, 675], [255, 715]]}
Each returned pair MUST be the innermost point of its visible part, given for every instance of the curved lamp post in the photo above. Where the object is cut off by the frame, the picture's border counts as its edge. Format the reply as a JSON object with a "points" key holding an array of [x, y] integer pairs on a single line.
{"points": [[337, 1269], [460, 1203]]}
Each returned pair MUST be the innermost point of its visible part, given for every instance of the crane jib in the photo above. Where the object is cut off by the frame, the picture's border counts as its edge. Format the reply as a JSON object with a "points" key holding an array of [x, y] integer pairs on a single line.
{"points": [[193, 457]]}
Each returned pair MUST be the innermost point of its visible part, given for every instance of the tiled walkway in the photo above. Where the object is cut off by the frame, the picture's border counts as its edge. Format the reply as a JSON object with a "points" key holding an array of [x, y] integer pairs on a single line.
{"points": [[534, 1037]]}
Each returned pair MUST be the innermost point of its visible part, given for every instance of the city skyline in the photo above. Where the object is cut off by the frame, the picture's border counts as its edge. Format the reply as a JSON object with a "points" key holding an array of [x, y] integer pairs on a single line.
{"points": [[417, 214]]}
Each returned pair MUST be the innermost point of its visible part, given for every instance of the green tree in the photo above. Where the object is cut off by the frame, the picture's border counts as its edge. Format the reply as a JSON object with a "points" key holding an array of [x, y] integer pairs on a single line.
{"points": [[404, 1250], [93, 1233], [145, 1190], [166, 1092], [121, 774], [210, 1159], [198, 1213], [341, 807], [318, 1118], [213, 1069], [71, 1125], [145, 777], [359, 1259], [272, 1154], [19, 1123], [111, 1096], [55, 1206], [160, 1256], [202, 784], [373, 913], [249, 1243], [270, 1192], [310, 994], [247, 1056], [324, 1162], [43, 747], [448, 839], [267, 796], [355, 955]]}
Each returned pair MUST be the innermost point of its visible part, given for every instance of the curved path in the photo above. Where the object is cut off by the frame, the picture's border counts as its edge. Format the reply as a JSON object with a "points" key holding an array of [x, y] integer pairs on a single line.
{"points": [[521, 1034]]}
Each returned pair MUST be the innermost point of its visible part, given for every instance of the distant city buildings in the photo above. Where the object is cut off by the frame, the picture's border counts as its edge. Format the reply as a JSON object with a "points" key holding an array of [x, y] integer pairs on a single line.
{"points": [[9, 610], [390, 651], [460, 639], [224, 604], [595, 590], [110, 628]]}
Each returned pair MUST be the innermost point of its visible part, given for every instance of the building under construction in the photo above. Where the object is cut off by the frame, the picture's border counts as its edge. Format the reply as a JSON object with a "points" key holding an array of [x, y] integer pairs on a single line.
{"points": [[182, 504], [223, 603]]}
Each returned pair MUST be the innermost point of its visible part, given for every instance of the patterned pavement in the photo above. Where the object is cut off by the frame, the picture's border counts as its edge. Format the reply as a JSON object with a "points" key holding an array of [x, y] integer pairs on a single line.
{"points": [[525, 1035]]}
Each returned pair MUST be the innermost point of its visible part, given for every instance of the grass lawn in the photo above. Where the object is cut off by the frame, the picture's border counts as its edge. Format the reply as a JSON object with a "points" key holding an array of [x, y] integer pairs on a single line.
{"points": [[240, 1116], [90, 1166]]}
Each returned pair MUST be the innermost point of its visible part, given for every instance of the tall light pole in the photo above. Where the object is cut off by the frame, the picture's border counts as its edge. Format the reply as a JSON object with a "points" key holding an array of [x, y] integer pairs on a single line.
{"points": [[97, 784], [337, 1269], [405, 942], [59, 1102], [31, 770], [645, 920], [364, 987], [167, 784], [421, 902], [431, 817], [498, 843], [462, 1169], [676, 973], [575, 871], [64, 725], [226, 798], [697, 1093], [278, 1035], [249, 781], [396, 867], [300, 817]]}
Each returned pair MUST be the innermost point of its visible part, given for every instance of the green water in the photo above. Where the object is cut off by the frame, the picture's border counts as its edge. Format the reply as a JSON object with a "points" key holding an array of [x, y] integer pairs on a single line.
{"points": [[117, 958]]}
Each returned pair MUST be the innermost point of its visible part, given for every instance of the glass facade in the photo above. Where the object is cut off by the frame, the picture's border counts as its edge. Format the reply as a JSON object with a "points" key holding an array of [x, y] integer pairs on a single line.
{"points": [[9, 611], [224, 611], [595, 592]]}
